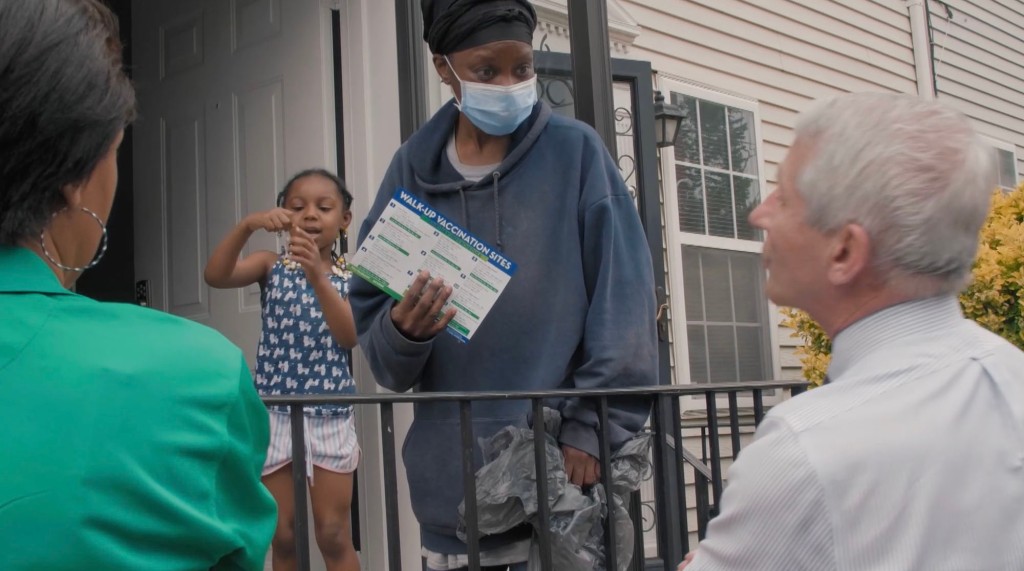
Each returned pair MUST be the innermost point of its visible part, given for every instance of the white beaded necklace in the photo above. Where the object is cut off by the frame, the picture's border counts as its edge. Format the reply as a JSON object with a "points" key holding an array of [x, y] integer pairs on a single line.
{"points": [[338, 268]]}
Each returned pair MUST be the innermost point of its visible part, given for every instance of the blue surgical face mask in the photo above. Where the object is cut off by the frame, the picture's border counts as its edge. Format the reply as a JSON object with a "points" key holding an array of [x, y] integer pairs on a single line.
{"points": [[495, 109]]}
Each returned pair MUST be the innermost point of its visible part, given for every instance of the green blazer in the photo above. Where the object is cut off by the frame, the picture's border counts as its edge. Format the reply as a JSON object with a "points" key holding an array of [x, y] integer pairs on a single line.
{"points": [[131, 439]]}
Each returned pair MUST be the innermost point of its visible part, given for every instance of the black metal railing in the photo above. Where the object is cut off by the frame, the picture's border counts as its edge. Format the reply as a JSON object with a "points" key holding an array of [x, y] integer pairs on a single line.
{"points": [[668, 456]]}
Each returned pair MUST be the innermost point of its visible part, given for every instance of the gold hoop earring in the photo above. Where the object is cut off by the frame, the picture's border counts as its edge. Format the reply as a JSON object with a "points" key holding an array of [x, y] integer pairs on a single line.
{"points": [[95, 260]]}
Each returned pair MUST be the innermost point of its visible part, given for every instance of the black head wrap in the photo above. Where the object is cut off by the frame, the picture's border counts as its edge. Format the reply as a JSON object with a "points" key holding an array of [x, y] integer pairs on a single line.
{"points": [[454, 25]]}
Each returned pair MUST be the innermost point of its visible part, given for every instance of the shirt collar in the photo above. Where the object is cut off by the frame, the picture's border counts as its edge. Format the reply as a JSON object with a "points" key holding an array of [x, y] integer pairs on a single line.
{"points": [[909, 320], [22, 271]]}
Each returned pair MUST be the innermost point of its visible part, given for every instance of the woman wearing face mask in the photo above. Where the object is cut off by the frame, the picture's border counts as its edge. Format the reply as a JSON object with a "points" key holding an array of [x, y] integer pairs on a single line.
{"points": [[579, 311]]}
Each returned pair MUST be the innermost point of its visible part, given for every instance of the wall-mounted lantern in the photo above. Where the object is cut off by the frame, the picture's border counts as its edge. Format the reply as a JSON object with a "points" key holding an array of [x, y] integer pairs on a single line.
{"points": [[668, 118]]}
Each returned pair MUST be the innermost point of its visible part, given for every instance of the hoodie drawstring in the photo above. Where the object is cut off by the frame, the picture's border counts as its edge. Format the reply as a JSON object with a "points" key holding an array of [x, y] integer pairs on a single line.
{"points": [[465, 208], [497, 211], [497, 208]]}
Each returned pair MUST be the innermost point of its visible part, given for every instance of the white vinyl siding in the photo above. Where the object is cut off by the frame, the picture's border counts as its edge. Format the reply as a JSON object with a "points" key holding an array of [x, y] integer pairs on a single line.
{"points": [[979, 67]]}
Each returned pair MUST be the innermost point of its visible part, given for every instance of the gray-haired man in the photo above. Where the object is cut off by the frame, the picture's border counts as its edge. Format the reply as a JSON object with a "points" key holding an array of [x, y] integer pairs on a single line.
{"points": [[913, 456]]}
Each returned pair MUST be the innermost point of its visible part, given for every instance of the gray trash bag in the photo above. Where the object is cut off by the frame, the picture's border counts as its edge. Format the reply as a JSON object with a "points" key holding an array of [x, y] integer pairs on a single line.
{"points": [[631, 465], [580, 543], [507, 497], [506, 486], [577, 531]]}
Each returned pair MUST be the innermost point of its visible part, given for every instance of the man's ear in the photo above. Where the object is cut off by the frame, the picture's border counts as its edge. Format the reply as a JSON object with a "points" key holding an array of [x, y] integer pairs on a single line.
{"points": [[850, 254], [72, 195]]}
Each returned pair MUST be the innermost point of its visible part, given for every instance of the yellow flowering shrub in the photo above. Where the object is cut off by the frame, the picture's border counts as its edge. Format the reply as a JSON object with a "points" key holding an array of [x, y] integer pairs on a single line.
{"points": [[816, 351], [993, 298]]}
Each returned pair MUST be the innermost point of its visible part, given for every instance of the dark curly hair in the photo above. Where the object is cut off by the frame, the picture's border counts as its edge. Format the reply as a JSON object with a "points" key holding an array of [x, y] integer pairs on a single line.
{"points": [[64, 97], [346, 196]]}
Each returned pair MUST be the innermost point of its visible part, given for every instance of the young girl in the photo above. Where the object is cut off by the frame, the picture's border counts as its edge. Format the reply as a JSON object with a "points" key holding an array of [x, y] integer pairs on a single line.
{"points": [[307, 330]]}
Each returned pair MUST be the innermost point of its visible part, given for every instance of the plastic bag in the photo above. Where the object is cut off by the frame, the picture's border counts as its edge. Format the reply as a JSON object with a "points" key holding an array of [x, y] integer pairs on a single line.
{"points": [[507, 497]]}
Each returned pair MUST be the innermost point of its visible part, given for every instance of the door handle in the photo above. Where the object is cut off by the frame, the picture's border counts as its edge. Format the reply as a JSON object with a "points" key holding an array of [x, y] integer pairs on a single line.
{"points": [[660, 316]]}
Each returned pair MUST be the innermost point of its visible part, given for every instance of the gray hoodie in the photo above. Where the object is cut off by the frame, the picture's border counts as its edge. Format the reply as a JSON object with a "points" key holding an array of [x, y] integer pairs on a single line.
{"points": [[579, 311]]}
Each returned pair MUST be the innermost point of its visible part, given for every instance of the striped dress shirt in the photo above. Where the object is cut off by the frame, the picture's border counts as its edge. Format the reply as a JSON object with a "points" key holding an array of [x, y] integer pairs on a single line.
{"points": [[912, 458]]}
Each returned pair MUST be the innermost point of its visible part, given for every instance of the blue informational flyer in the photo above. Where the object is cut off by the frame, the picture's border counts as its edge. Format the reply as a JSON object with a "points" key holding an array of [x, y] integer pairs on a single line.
{"points": [[410, 236]]}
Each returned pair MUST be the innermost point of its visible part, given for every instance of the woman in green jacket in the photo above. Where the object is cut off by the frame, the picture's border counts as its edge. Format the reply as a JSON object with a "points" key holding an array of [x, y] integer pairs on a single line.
{"points": [[132, 439]]}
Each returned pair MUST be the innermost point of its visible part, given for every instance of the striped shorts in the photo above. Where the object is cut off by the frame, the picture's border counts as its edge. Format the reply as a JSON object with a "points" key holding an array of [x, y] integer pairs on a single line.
{"points": [[330, 443]]}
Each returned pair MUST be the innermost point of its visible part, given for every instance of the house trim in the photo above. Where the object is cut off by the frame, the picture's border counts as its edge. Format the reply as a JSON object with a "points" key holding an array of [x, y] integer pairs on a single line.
{"points": [[920, 33]]}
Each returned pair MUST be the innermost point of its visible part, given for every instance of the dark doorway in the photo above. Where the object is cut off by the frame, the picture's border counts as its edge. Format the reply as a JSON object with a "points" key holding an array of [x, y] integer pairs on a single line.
{"points": [[113, 279]]}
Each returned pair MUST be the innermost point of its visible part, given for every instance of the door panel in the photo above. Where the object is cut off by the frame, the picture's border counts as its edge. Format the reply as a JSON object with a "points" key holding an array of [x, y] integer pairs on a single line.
{"points": [[233, 100], [259, 113], [183, 162]]}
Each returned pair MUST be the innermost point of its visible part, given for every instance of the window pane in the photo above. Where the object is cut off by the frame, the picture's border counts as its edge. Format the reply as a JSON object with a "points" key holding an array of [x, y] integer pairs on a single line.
{"points": [[713, 137], [747, 194], [1007, 169], [690, 194], [691, 285], [713, 202], [741, 139], [749, 345], [715, 276], [720, 211], [732, 342], [686, 148], [698, 353], [721, 353], [746, 287]]}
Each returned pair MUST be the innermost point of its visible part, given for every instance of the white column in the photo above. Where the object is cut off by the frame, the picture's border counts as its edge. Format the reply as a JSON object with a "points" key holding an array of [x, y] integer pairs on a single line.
{"points": [[370, 71]]}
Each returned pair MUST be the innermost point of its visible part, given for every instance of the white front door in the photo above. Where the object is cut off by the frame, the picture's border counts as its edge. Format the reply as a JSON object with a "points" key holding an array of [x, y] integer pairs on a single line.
{"points": [[234, 97]]}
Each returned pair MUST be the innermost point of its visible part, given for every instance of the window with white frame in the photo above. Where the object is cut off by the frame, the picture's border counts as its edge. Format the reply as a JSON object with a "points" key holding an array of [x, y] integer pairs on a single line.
{"points": [[714, 179], [1007, 169], [1006, 162]]}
